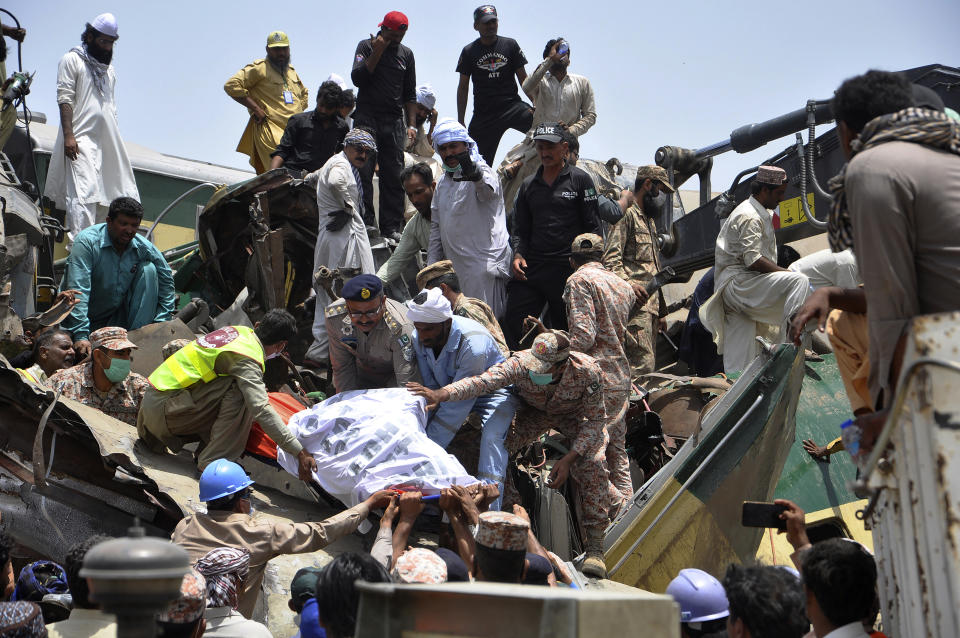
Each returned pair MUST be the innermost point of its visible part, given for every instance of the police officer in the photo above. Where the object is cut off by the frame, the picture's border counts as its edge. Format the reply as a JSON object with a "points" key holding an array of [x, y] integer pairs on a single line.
{"points": [[213, 389], [553, 206], [561, 390], [371, 339]]}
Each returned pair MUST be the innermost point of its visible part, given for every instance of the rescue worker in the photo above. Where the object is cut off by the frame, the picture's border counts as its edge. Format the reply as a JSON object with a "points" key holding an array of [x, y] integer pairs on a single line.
{"points": [[342, 241], [371, 339], [442, 275], [750, 288], [632, 254], [272, 92], [213, 389], [225, 488], [703, 604], [105, 382], [468, 221], [448, 349], [599, 304], [89, 167], [561, 390]]}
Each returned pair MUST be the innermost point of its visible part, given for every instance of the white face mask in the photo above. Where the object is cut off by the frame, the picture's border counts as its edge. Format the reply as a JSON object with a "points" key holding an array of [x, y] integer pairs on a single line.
{"points": [[272, 356]]}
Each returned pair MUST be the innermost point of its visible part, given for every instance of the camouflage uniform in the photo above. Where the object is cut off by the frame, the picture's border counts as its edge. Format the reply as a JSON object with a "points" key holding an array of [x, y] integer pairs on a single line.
{"points": [[632, 255], [480, 312], [122, 401], [598, 307], [574, 407], [381, 358]]}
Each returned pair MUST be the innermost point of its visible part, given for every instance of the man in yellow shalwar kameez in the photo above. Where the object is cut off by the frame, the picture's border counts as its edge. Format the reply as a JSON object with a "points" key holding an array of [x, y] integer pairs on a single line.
{"points": [[272, 92]]}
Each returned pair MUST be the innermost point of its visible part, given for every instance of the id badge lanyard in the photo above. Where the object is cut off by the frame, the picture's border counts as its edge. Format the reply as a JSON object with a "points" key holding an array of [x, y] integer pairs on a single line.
{"points": [[287, 94]]}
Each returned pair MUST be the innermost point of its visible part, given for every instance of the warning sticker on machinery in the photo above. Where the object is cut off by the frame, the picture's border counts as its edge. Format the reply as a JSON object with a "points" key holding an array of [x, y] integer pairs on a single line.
{"points": [[791, 212]]}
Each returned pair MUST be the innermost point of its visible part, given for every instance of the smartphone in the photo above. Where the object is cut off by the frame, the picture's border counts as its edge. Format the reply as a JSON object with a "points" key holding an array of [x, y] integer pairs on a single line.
{"points": [[763, 515]]}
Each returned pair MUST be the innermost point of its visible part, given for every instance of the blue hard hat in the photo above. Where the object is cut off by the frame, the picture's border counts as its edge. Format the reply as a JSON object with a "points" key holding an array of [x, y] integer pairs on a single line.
{"points": [[700, 596], [222, 478]]}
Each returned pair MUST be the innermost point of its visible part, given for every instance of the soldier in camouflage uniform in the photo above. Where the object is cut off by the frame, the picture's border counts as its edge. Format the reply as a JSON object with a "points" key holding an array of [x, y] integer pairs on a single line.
{"points": [[371, 340], [599, 304], [632, 254], [441, 275], [105, 382], [561, 390]]}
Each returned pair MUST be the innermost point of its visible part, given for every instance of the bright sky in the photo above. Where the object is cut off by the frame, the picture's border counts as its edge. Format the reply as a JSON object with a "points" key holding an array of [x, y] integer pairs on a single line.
{"points": [[683, 73]]}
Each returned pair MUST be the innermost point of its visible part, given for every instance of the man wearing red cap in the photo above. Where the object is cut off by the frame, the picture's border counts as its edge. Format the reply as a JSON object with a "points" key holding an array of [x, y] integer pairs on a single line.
{"points": [[384, 73]]}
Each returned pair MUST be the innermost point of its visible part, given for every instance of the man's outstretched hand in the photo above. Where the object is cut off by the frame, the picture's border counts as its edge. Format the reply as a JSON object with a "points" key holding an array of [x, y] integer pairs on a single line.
{"points": [[433, 397]]}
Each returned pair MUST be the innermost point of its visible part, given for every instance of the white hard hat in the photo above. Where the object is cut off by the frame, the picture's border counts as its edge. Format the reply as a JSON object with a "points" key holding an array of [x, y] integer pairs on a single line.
{"points": [[106, 24]]}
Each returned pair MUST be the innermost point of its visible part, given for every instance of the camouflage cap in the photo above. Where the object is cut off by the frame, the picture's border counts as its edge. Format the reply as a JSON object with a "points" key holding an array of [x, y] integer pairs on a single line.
{"points": [[111, 338], [545, 351], [502, 530], [419, 565], [587, 244], [171, 347], [434, 270], [771, 175], [191, 603], [657, 173]]}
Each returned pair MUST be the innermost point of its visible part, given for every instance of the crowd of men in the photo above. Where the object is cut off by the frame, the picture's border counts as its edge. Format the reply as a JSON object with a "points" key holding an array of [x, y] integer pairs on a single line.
{"points": [[543, 323], [831, 592]]}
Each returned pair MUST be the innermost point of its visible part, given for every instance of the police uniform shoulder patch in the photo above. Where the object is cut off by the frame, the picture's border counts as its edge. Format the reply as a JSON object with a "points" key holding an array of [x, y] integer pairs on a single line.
{"points": [[338, 307]]}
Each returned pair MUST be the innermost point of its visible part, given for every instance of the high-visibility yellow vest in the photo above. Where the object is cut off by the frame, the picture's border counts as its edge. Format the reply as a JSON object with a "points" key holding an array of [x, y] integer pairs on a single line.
{"points": [[195, 361]]}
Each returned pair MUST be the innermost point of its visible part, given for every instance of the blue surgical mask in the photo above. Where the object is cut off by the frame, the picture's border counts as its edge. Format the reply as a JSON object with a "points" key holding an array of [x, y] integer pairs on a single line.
{"points": [[118, 370], [540, 378]]}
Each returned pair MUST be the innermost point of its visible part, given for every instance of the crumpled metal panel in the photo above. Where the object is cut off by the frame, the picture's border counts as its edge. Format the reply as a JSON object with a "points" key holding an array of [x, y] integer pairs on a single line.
{"points": [[916, 523]]}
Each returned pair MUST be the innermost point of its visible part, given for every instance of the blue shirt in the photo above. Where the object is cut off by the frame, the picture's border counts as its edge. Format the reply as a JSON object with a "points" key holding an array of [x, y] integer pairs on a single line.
{"points": [[105, 277], [469, 351]]}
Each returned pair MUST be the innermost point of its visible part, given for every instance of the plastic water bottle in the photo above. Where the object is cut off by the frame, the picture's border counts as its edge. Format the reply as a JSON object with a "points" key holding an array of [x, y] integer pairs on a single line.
{"points": [[850, 435]]}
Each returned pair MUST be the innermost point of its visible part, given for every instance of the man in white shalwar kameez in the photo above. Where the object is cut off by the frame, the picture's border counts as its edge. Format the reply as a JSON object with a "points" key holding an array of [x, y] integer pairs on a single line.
{"points": [[89, 167], [468, 222], [342, 240], [751, 289]]}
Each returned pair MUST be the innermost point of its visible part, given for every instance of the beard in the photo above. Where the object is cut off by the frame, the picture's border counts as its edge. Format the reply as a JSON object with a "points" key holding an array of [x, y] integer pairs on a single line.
{"points": [[652, 206], [279, 65], [101, 55]]}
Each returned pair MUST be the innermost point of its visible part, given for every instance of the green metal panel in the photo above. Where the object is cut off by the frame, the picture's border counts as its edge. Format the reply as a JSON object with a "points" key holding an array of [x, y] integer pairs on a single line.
{"points": [[823, 406], [156, 193]]}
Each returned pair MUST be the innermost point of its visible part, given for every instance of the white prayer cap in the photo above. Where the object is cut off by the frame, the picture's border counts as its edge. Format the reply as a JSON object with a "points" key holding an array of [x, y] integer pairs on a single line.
{"points": [[430, 306], [106, 24], [333, 77], [425, 96]]}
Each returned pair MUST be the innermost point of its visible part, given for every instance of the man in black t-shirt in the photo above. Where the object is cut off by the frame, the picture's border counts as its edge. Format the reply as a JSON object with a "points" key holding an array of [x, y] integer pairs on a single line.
{"points": [[312, 137], [492, 61], [384, 73]]}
